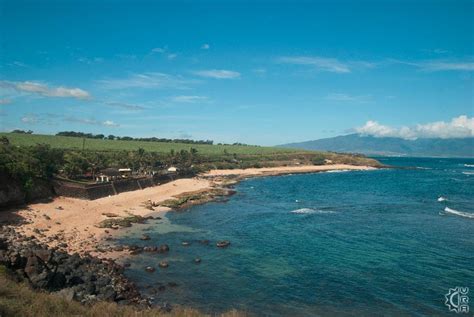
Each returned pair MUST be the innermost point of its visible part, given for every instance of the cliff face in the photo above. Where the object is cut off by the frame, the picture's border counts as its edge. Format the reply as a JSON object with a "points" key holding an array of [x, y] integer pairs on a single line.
{"points": [[12, 192]]}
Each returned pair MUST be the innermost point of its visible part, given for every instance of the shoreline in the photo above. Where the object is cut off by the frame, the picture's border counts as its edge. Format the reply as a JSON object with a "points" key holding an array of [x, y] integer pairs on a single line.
{"points": [[72, 225]]}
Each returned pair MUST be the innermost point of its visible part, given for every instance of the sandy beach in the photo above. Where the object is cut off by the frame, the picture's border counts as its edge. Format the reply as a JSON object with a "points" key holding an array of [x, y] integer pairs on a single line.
{"points": [[73, 223]]}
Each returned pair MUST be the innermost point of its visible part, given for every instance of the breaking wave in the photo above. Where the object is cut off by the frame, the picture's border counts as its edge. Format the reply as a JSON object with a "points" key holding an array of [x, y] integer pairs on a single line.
{"points": [[311, 211], [337, 171], [441, 198], [469, 165], [468, 173], [459, 213]]}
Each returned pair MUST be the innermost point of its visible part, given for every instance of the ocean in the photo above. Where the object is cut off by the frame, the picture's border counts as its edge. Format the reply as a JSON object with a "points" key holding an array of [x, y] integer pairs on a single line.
{"points": [[387, 242]]}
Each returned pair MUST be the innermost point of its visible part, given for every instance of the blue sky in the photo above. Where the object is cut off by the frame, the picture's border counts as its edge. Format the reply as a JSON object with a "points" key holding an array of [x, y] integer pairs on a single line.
{"points": [[258, 72]]}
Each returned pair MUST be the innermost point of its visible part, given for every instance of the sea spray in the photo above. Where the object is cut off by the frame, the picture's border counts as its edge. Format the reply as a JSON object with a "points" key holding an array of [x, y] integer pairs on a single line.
{"points": [[459, 213], [311, 211]]}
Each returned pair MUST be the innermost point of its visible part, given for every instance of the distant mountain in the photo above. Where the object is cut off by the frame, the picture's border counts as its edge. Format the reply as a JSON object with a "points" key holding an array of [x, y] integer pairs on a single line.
{"points": [[369, 145]]}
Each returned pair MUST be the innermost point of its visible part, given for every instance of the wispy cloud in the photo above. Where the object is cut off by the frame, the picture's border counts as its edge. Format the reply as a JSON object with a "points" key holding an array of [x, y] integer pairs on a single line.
{"points": [[320, 63], [124, 105], [218, 74], [159, 49], [53, 118], [147, 81], [340, 97], [18, 64], [5, 101], [189, 99], [438, 65], [44, 90], [205, 46], [91, 121], [87, 60], [164, 51], [259, 71], [459, 127]]}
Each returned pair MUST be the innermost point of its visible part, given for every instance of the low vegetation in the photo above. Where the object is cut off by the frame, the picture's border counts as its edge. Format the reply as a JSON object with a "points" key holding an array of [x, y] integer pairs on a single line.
{"points": [[117, 222], [192, 198], [18, 299]]}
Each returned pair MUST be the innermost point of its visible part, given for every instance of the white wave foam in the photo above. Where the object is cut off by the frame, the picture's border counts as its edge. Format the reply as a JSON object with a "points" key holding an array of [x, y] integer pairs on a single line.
{"points": [[337, 171], [469, 165], [311, 211], [468, 173], [459, 213], [441, 198]]}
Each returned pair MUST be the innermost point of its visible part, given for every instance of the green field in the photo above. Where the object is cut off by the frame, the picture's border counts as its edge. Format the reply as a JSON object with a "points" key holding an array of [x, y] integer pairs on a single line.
{"points": [[65, 142]]}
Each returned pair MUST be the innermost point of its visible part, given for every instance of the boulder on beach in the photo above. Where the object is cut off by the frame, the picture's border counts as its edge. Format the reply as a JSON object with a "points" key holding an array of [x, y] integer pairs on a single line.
{"points": [[163, 264]]}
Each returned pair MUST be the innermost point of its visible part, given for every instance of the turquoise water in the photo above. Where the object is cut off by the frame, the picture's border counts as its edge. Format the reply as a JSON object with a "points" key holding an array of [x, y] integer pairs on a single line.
{"points": [[350, 243]]}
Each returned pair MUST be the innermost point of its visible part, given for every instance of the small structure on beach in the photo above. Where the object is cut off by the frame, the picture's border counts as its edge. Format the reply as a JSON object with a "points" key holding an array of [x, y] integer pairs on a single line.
{"points": [[125, 172], [112, 174], [172, 169], [107, 175]]}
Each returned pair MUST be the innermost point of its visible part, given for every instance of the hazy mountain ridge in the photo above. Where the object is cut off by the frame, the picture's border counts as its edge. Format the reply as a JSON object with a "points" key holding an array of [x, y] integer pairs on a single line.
{"points": [[369, 145]]}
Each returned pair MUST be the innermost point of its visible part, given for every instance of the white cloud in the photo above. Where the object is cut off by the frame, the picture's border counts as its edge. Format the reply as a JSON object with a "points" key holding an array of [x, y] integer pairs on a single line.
{"points": [[459, 127], [29, 119], [189, 99], [172, 56], [218, 74], [321, 63], [44, 90], [205, 46], [340, 97], [5, 101], [109, 123], [146, 81]]}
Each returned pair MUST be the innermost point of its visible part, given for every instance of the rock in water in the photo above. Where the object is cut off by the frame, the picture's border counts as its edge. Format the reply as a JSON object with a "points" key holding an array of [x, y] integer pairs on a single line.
{"points": [[223, 244], [164, 248], [145, 237]]}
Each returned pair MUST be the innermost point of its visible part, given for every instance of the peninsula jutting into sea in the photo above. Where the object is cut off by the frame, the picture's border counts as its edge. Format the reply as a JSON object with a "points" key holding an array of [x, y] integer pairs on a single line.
{"points": [[265, 158]]}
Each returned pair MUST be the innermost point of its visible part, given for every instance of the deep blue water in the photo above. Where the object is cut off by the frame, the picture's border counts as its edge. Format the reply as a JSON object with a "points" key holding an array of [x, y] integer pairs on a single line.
{"points": [[370, 243]]}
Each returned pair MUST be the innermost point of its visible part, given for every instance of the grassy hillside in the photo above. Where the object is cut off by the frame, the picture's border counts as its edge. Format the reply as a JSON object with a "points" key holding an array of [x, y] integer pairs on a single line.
{"points": [[65, 142]]}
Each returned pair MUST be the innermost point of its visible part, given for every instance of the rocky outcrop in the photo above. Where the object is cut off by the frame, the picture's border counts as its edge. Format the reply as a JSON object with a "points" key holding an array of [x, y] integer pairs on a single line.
{"points": [[85, 279], [13, 193]]}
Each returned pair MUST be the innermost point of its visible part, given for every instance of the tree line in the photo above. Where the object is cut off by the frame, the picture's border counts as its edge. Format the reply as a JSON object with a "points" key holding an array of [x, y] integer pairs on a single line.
{"points": [[25, 164], [127, 138]]}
